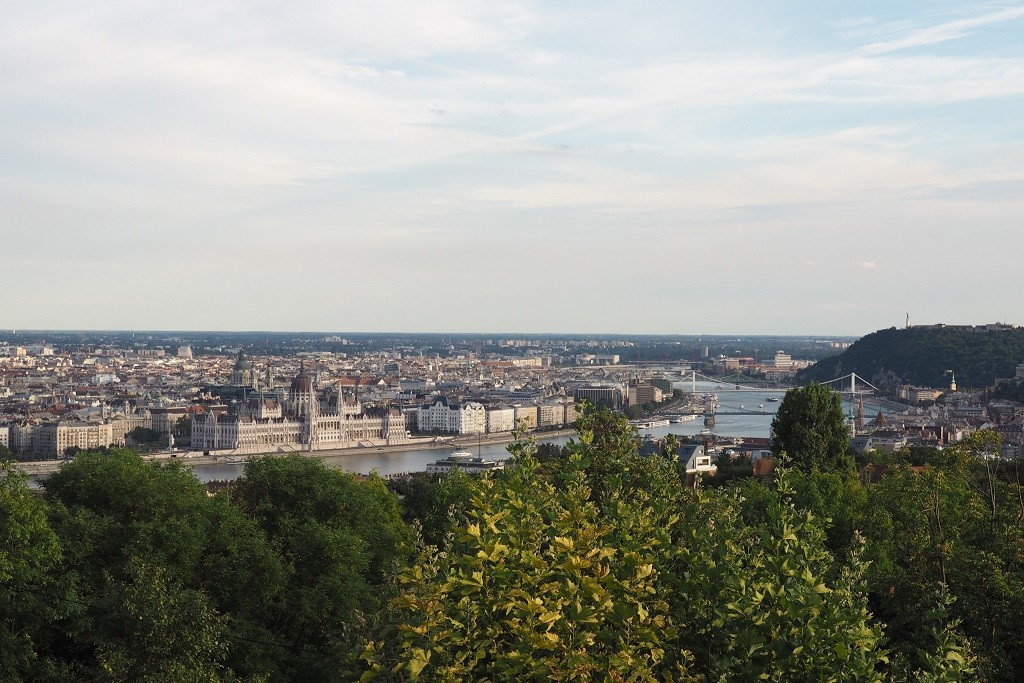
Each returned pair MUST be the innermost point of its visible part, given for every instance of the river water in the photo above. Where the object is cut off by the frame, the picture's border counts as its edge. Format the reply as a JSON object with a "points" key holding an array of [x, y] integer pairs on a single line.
{"points": [[755, 422]]}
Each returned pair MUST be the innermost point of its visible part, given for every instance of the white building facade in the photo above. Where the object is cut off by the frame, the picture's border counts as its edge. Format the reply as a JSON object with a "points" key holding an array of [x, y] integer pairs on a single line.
{"points": [[501, 419], [442, 415]]}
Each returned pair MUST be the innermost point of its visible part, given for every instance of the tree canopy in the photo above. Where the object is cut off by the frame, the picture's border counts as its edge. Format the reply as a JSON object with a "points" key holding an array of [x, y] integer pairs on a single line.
{"points": [[590, 563], [810, 428], [638, 580]]}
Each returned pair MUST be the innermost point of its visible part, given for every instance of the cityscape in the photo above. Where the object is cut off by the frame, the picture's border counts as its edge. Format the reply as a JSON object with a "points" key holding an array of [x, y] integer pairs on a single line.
{"points": [[326, 394], [92, 391], [458, 341]]}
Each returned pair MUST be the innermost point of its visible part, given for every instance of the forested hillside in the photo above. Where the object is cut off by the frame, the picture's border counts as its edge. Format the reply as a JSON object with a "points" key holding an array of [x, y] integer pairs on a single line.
{"points": [[922, 356]]}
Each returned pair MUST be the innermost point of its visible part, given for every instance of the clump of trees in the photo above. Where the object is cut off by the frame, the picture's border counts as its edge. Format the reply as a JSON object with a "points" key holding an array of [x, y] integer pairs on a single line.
{"points": [[588, 562], [144, 436], [128, 571]]}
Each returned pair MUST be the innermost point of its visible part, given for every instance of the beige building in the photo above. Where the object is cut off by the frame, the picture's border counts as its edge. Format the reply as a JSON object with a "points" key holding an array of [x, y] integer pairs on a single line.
{"points": [[526, 416], [53, 439], [638, 393], [914, 394], [164, 420], [550, 415]]}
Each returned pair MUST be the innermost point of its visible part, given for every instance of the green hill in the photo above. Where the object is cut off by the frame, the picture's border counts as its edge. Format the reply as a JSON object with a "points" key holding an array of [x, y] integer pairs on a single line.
{"points": [[921, 356]]}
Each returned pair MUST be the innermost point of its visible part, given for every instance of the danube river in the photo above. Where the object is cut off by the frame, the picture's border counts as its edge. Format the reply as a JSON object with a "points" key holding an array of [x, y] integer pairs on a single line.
{"points": [[752, 416], [756, 422]]}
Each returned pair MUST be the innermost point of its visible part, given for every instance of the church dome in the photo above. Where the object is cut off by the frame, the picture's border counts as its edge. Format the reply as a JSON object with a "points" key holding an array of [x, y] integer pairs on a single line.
{"points": [[242, 363]]}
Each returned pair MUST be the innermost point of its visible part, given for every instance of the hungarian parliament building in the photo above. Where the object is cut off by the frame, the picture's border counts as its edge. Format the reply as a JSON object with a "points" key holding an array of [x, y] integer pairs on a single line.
{"points": [[304, 420]]}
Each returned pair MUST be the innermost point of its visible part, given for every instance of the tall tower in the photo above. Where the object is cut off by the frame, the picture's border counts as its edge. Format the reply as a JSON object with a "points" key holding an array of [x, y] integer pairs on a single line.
{"points": [[305, 407], [301, 393]]}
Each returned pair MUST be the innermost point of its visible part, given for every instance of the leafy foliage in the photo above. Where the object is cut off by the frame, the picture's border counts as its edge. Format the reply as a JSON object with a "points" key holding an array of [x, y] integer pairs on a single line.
{"points": [[436, 503], [153, 630], [146, 539], [29, 554], [639, 580], [956, 529], [810, 428], [532, 588], [593, 563], [144, 435], [767, 601], [340, 540], [1011, 391]]}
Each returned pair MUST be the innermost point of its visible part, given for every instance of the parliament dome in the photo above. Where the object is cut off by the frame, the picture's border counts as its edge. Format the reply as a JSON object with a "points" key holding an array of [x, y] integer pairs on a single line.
{"points": [[302, 382]]}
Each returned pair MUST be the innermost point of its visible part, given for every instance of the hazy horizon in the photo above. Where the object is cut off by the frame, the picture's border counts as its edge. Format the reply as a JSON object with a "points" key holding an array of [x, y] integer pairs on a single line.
{"points": [[4, 333]]}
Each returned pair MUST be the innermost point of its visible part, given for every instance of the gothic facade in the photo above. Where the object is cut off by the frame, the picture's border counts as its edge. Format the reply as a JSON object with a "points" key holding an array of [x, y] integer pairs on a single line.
{"points": [[306, 420]]}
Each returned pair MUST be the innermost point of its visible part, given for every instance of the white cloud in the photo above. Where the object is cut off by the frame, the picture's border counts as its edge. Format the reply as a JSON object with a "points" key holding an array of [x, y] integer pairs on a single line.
{"points": [[949, 30], [436, 133]]}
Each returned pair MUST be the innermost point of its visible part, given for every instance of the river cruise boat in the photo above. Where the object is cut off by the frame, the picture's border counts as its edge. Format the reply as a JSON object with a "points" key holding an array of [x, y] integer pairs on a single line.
{"points": [[682, 418], [465, 461], [649, 424]]}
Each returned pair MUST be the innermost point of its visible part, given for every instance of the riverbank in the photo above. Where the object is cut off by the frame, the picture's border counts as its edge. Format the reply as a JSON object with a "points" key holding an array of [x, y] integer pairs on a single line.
{"points": [[43, 468], [435, 444]]}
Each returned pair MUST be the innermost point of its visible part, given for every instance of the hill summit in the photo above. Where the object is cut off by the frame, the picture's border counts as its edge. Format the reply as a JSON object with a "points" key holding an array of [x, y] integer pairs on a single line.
{"points": [[922, 355]]}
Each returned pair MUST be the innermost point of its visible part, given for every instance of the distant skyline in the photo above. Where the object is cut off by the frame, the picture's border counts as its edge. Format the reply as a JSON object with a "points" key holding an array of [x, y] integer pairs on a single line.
{"points": [[7, 335], [574, 167]]}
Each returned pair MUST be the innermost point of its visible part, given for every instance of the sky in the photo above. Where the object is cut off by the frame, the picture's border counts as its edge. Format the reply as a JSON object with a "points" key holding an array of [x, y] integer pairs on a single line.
{"points": [[487, 166]]}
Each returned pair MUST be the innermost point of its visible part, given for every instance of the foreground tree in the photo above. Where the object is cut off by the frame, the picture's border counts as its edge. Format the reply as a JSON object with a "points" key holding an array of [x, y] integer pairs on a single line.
{"points": [[436, 503], [767, 601], [153, 564], [535, 587], [29, 553], [955, 529], [551, 579], [810, 428], [341, 541], [156, 631]]}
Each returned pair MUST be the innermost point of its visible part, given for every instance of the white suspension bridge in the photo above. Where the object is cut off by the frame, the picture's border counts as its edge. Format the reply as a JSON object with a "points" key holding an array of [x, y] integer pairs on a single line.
{"points": [[851, 387]]}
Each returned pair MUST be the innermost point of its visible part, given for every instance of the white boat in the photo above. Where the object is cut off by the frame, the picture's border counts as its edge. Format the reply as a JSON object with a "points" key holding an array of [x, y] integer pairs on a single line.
{"points": [[650, 424], [465, 461], [682, 418]]}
